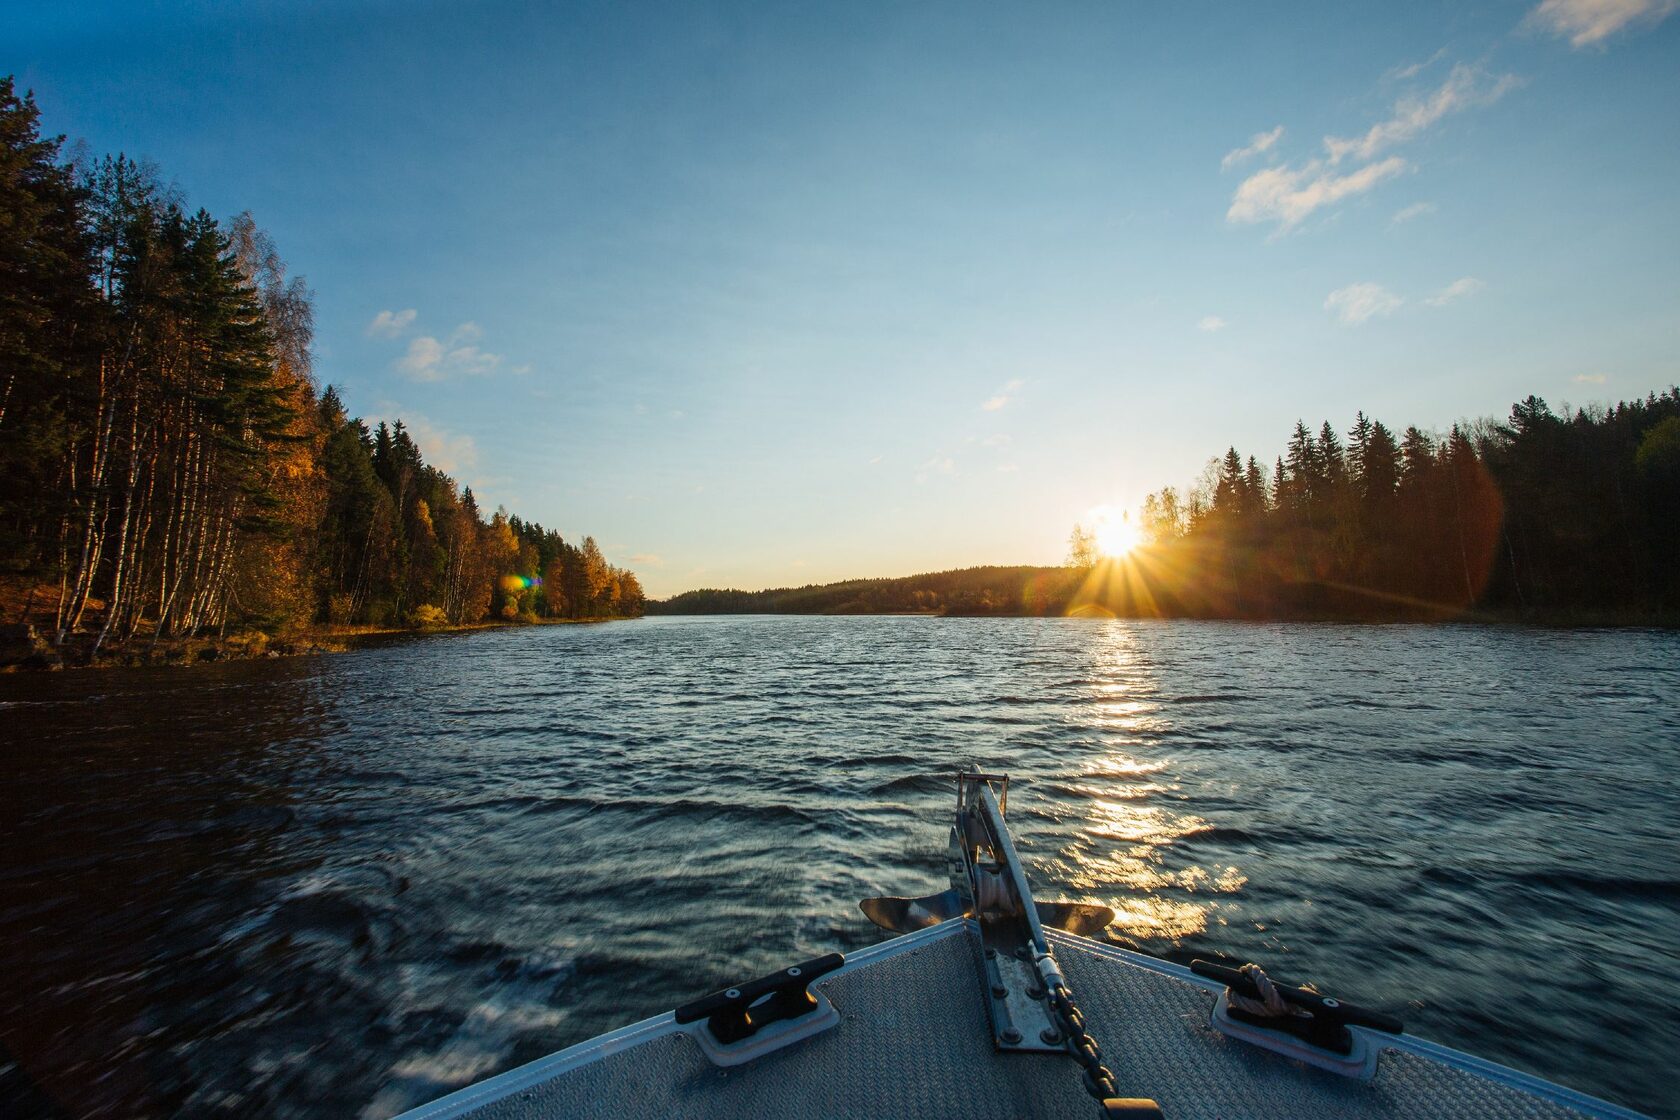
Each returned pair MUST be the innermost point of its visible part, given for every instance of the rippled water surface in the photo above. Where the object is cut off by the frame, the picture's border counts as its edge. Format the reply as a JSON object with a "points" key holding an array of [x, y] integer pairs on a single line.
{"points": [[341, 886]]}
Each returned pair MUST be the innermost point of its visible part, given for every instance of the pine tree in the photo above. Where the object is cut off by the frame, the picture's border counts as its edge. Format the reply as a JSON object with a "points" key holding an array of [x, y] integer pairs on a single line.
{"points": [[45, 309], [1254, 489], [1229, 500], [1359, 443]]}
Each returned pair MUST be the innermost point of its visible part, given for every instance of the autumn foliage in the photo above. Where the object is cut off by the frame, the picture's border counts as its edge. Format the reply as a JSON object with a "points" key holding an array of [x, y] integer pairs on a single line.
{"points": [[167, 464]]}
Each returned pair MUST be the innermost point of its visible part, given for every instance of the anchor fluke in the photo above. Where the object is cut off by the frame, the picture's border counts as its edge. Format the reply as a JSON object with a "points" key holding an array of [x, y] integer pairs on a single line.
{"points": [[906, 915], [1082, 918]]}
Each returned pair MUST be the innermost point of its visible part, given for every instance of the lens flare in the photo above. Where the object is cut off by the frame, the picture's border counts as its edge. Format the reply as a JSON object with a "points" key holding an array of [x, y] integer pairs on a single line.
{"points": [[1113, 532]]}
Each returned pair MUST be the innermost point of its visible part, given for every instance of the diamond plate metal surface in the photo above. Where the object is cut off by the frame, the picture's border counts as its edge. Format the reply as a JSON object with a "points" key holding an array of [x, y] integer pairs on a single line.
{"points": [[914, 1041]]}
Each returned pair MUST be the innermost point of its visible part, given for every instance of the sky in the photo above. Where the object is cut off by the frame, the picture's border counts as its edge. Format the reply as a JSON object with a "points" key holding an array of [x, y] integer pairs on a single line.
{"points": [[765, 295]]}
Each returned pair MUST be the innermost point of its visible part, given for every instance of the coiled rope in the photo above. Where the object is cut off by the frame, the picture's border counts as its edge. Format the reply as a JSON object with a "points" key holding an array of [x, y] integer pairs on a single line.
{"points": [[1271, 1004]]}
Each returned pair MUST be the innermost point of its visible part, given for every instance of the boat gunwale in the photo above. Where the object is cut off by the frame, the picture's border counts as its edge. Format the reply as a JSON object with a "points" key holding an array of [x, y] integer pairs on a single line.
{"points": [[546, 1068], [462, 1101], [1408, 1043]]}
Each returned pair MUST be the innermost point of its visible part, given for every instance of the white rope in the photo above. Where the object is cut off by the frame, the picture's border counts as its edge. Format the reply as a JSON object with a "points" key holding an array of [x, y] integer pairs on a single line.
{"points": [[1270, 1005]]}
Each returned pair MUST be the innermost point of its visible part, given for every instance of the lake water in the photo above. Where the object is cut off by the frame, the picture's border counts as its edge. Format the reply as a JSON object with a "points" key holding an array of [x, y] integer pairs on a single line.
{"points": [[340, 886]]}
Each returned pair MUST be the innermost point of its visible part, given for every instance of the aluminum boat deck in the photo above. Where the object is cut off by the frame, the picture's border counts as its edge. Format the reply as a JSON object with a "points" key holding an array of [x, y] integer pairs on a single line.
{"points": [[913, 1040]]}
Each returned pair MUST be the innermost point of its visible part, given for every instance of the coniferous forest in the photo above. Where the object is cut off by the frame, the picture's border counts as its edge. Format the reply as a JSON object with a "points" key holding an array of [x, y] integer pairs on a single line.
{"points": [[168, 467], [1541, 515], [1546, 517]]}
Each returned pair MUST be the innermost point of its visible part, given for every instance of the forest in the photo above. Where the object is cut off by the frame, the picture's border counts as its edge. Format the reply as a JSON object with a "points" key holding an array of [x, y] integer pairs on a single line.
{"points": [[169, 467], [1548, 517], [1544, 515], [1002, 590]]}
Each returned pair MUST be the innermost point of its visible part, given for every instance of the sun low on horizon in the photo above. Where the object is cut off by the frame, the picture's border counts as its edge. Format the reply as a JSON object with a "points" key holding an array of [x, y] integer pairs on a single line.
{"points": [[1114, 533]]}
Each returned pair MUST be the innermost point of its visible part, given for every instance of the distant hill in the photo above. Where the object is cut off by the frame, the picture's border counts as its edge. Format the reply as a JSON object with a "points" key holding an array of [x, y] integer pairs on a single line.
{"points": [[993, 590], [1177, 579], [1564, 518]]}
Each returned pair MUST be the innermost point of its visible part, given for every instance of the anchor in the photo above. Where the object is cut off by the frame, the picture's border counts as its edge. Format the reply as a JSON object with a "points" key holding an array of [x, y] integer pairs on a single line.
{"points": [[906, 915], [1027, 998]]}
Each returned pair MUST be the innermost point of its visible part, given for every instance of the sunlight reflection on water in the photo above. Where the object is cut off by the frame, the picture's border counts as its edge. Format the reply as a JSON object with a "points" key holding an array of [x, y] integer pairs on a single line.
{"points": [[1130, 824]]}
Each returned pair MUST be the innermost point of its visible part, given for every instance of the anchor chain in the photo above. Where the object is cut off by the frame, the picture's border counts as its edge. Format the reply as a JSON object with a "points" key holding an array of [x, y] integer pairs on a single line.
{"points": [[1097, 1078]]}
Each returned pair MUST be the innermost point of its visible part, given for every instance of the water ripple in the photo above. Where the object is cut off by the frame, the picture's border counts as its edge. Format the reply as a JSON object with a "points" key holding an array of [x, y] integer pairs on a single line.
{"points": [[342, 886]]}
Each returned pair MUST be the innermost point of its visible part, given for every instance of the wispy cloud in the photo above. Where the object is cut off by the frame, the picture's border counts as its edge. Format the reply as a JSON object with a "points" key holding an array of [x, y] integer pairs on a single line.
{"points": [[1588, 23], [1211, 323], [1413, 69], [1591, 378], [1287, 195], [424, 360], [448, 452], [649, 558], [1458, 289], [1358, 303], [1466, 87], [1415, 210], [390, 324], [1258, 143], [429, 359], [1003, 396]]}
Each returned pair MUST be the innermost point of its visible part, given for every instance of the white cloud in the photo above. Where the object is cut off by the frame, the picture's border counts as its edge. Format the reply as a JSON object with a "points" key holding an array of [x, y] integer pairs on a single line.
{"points": [[444, 450], [428, 359], [470, 359], [424, 360], [1591, 378], [1412, 70], [1258, 143], [1288, 195], [1415, 210], [390, 324], [1357, 303], [1002, 397], [1458, 289], [1211, 323], [1465, 87], [1588, 23], [649, 558]]}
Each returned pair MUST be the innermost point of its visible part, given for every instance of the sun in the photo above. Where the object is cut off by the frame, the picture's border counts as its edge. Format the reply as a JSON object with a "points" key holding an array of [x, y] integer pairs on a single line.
{"points": [[1114, 534]]}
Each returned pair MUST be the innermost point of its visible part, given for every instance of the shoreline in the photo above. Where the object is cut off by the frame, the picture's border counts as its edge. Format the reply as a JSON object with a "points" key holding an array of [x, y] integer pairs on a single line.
{"points": [[1570, 620], [27, 652], [41, 657]]}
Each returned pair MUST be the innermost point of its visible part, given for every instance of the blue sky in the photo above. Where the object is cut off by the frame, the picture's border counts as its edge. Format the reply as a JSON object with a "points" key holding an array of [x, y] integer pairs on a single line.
{"points": [[761, 295]]}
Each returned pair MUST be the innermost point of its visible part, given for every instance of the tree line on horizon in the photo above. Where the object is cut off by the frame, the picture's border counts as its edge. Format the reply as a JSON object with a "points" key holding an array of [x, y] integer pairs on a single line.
{"points": [[985, 590], [1559, 517], [167, 464], [1541, 514]]}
